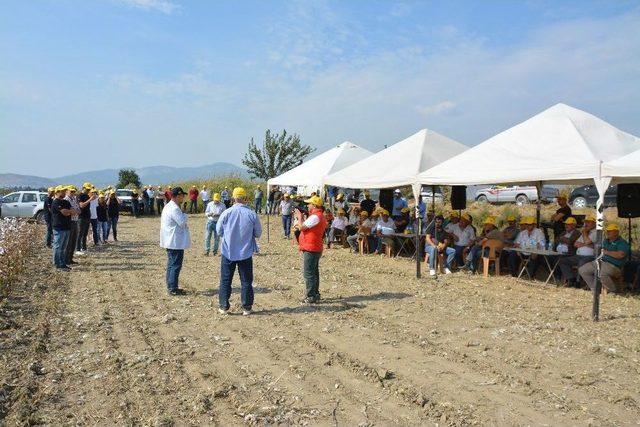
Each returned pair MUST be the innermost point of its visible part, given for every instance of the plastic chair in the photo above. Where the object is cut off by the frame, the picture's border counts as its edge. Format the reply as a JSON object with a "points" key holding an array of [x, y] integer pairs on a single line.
{"points": [[494, 246]]}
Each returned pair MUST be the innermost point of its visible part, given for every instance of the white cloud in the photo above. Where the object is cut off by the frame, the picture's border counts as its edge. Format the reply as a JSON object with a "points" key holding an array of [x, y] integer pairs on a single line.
{"points": [[435, 109], [165, 6]]}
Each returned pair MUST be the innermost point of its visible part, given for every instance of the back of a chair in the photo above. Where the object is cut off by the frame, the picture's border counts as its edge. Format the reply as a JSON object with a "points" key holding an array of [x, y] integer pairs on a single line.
{"points": [[494, 246]]}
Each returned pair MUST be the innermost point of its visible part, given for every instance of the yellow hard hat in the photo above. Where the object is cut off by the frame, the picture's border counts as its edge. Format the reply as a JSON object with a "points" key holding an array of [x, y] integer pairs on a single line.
{"points": [[490, 220], [135, 191], [590, 218], [50, 189], [465, 216], [93, 190], [101, 194], [72, 188], [612, 227], [59, 188], [340, 196], [405, 210], [314, 200], [87, 185], [216, 197], [454, 214], [239, 193], [384, 212], [364, 214], [511, 218], [570, 220], [285, 195], [340, 211]]}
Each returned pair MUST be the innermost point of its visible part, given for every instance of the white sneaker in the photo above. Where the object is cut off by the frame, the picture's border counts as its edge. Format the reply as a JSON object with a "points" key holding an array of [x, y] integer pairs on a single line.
{"points": [[432, 272], [223, 311], [246, 312], [447, 271], [81, 253]]}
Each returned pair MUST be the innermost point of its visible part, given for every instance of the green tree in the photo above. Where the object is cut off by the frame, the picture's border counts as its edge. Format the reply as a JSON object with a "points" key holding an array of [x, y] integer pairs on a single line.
{"points": [[128, 177], [278, 154]]}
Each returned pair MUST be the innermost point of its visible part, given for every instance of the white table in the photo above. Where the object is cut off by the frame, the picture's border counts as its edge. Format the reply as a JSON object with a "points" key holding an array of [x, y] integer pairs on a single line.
{"points": [[544, 253]]}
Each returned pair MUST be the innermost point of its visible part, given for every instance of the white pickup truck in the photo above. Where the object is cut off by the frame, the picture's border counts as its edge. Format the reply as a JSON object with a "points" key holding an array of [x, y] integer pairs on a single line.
{"points": [[520, 195], [24, 204]]}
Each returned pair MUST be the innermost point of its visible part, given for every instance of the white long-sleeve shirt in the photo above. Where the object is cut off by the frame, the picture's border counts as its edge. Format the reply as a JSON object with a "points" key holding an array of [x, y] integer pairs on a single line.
{"points": [[535, 239], [214, 210], [174, 231]]}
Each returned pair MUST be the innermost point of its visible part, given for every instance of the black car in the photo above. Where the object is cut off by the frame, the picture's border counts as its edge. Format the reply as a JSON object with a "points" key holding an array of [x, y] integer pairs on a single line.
{"points": [[587, 195]]}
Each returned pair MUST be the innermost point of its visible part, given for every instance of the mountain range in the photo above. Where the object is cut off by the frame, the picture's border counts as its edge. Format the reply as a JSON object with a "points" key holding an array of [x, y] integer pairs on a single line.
{"points": [[153, 175]]}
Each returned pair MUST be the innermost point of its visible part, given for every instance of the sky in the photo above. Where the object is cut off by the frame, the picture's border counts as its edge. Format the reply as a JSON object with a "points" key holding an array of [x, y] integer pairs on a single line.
{"points": [[96, 84]]}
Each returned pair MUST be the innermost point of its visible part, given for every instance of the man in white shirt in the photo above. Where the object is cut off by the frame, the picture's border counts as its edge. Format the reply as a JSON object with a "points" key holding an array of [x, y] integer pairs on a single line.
{"points": [[212, 212], [152, 194], [175, 238], [463, 236], [338, 226], [529, 237], [205, 195], [363, 232], [93, 208], [384, 228], [585, 251]]}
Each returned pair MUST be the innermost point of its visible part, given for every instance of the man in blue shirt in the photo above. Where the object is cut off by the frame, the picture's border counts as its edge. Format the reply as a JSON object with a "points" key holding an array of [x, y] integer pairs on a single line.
{"points": [[399, 203], [238, 227], [615, 251]]}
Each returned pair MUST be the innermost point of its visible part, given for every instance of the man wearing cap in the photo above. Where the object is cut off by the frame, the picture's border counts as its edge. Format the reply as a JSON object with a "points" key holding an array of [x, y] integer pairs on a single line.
{"points": [[454, 218], [489, 232], [615, 251], [341, 203], [193, 199], [84, 199], [338, 227], [510, 232], [529, 237], [403, 221], [437, 242], [383, 229], [238, 227], [399, 203], [257, 199], [152, 199], [175, 238], [135, 203], [73, 227], [61, 222], [93, 209], [584, 251], [463, 236], [286, 210], [47, 215], [563, 212], [226, 197], [311, 245], [367, 204], [364, 231], [145, 200], [160, 199], [212, 212]]}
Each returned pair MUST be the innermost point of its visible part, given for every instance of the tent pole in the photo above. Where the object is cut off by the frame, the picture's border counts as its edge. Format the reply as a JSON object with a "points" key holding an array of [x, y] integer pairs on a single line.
{"points": [[597, 288], [435, 228], [417, 233], [629, 234], [538, 203]]}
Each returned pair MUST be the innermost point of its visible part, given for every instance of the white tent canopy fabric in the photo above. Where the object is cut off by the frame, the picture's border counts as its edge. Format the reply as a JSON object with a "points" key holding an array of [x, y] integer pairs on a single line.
{"points": [[399, 164], [312, 172], [560, 145], [624, 169]]}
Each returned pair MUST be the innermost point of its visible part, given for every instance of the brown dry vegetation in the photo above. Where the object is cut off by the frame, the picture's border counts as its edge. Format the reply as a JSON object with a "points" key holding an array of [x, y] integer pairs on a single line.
{"points": [[106, 345]]}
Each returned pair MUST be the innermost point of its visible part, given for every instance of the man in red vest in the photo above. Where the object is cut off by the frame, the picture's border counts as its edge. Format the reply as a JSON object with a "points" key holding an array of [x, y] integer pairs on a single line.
{"points": [[311, 244]]}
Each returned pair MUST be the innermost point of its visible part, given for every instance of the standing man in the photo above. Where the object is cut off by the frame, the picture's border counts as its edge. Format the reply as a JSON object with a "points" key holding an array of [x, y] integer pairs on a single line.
{"points": [[205, 195], [212, 212], [563, 212], [193, 199], [175, 238], [93, 210], [74, 227], [226, 197], [61, 222], [239, 227], [367, 204], [47, 215], [399, 203], [270, 201], [135, 203], [257, 199], [146, 201], [152, 199], [160, 199], [286, 209], [311, 245], [85, 218]]}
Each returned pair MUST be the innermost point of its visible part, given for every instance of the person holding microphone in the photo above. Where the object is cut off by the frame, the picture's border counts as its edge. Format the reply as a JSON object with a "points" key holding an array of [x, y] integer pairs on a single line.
{"points": [[311, 244]]}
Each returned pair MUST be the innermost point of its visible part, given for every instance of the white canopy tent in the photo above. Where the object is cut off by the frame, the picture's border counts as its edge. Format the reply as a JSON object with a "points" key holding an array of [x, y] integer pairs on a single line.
{"points": [[399, 164], [310, 174], [624, 169]]}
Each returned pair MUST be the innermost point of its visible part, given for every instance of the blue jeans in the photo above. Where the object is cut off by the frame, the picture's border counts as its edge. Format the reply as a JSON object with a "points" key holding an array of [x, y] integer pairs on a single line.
{"points": [[112, 224], [209, 229], [94, 230], [459, 254], [474, 256], [49, 237], [227, 270], [103, 230], [60, 241], [258, 205], [286, 225], [174, 265], [135, 207], [433, 256]]}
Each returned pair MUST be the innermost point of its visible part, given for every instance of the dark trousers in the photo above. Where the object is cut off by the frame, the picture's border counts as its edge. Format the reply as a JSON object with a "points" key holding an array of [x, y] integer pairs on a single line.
{"points": [[286, 225], [227, 270], [73, 240], [81, 244], [49, 237], [174, 265], [94, 231], [311, 273], [112, 225], [135, 207], [258, 205], [159, 205], [193, 206], [227, 203]]}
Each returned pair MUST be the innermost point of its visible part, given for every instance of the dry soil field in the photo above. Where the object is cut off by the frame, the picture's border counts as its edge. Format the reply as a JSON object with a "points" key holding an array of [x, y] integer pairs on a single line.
{"points": [[106, 345]]}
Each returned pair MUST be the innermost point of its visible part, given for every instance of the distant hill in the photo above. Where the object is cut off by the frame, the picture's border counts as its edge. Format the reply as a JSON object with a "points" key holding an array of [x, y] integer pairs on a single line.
{"points": [[153, 175]]}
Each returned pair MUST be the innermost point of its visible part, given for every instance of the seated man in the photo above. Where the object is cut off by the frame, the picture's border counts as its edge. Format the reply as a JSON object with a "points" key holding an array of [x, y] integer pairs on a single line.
{"points": [[341, 203], [384, 227], [463, 236], [403, 220], [584, 251], [354, 219], [364, 231], [529, 237], [510, 232], [454, 217], [437, 242], [568, 237], [489, 231], [337, 227], [615, 251]]}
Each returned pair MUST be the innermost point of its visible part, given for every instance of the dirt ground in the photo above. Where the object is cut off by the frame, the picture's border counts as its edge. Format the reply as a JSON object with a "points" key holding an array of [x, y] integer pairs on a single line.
{"points": [[106, 345]]}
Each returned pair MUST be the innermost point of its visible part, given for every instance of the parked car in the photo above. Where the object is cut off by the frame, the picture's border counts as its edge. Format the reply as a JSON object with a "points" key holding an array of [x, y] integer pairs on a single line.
{"points": [[124, 195], [24, 204], [587, 195], [428, 196], [520, 195]]}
